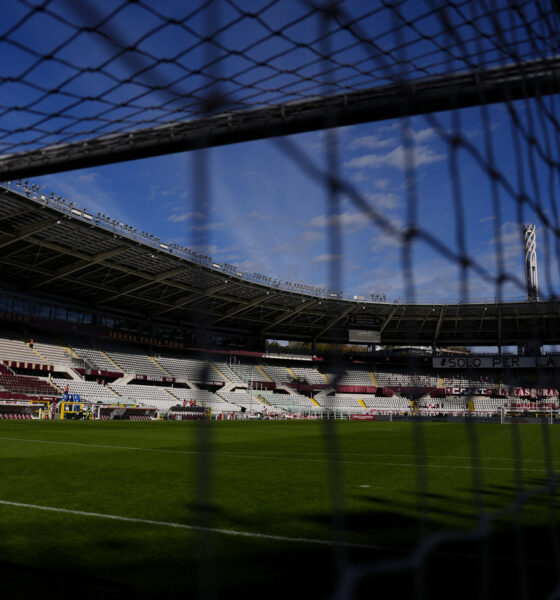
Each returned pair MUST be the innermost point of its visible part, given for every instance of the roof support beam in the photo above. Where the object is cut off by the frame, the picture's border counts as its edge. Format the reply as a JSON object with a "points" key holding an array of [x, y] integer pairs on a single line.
{"points": [[438, 326], [24, 232], [148, 280], [83, 264], [238, 309], [292, 311], [335, 320], [196, 295], [388, 319]]}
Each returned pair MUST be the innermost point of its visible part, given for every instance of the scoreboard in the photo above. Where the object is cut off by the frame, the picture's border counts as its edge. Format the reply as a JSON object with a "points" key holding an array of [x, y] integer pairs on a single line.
{"points": [[364, 330]]}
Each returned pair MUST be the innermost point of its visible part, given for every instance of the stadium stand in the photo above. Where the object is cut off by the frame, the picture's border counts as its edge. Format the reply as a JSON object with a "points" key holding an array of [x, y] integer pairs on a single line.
{"points": [[51, 350], [203, 398], [95, 359], [133, 361], [192, 369], [142, 394], [26, 385], [88, 390], [12, 347]]}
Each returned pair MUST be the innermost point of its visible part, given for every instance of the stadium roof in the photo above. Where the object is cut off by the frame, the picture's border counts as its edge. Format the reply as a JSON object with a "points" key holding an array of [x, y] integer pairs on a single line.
{"points": [[49, 248]]}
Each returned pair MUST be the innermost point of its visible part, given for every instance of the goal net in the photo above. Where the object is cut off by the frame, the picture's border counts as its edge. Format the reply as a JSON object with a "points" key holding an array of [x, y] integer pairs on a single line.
{"points": [[390, 153], [525, 415]]}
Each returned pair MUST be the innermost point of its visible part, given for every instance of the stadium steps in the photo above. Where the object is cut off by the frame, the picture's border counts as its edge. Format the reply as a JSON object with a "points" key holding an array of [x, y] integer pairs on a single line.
{"points": [[263, 373], [111, 361], [69, 350], [374, 379], [362, 403], [292, 374], [179, 401], [325, 377], [219, 371], [470, 404], [440, 382], [261, 399], [35, 351], [413, 405], [152, 358], [315, 402]]}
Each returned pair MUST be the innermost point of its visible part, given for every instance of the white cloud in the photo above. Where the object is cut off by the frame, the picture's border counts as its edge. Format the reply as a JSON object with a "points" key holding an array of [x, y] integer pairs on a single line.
{"points": [[214, 226], [181, 217], [421, 135], [321, 258], [372, 142], [358, 177], [422, 155], [384, 202], [346, 219], [257, 215], [311, 237], [381, 184]]}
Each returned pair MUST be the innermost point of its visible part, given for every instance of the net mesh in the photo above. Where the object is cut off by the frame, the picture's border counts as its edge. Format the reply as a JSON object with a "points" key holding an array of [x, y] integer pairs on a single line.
{"points": [[84, 71]]}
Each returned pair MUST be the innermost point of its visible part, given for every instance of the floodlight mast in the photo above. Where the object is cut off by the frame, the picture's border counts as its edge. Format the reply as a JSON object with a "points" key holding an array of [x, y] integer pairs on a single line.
{"points": [[531, 274]]}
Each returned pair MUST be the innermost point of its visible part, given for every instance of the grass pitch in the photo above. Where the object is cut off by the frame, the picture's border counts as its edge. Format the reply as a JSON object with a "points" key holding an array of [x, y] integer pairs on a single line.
{"points": [[253, 507]]}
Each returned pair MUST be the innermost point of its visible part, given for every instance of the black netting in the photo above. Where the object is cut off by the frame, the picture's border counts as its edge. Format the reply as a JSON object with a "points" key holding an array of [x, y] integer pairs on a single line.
{"points": [[87, 83], [82, 70]]}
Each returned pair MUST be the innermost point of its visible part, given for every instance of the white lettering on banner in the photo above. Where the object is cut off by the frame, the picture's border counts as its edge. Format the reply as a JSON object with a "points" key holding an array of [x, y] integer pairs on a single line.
{"points": [[495, 362], [503, 391]]}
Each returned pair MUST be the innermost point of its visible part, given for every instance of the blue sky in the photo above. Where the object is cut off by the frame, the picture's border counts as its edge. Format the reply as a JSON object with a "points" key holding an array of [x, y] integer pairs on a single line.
{"points": [[265, 214]]}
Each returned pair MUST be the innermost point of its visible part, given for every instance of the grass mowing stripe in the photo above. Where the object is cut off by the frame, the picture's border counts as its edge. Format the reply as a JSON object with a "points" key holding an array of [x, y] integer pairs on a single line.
{"points": [[232, 532], [283, 458]]}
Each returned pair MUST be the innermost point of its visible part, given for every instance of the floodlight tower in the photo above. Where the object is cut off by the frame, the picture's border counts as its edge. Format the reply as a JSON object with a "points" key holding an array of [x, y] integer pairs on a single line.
{"points": [[531, 347], [531, 275]]}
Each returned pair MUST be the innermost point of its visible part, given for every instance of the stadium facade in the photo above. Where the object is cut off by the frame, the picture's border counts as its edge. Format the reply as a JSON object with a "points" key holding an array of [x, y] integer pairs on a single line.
{"points": [[135, 327]]}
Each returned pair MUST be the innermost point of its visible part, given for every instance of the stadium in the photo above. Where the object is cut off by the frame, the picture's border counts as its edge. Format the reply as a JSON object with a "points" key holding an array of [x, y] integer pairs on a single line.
{"points": [[173, 424]]}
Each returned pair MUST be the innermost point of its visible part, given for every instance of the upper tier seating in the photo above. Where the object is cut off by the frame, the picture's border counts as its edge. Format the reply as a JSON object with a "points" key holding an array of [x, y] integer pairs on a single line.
{"points": [[133, 361], [53, 352], [355, 377], [308, 375], [13, 347], [192, 369], [225, 369], [277, 374], [94, 358], [405, 378], [247, 372]]}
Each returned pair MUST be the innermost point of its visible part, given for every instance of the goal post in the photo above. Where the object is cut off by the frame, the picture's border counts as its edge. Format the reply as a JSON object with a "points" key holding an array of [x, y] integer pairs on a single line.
{"points": [[509, 415]]}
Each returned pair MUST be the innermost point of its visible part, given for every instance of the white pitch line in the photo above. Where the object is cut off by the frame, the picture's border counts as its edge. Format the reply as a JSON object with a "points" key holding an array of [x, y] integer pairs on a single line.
{"points": [[372, 462], [172, 525]]}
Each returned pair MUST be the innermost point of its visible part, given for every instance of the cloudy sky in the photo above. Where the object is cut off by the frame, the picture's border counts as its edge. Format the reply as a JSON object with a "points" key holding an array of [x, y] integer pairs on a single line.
{"points": [[265, 214], [417, 197]]}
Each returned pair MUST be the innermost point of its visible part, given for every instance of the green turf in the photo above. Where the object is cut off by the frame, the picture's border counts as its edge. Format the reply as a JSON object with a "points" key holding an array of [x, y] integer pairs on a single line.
{"points": [[402, 483]]}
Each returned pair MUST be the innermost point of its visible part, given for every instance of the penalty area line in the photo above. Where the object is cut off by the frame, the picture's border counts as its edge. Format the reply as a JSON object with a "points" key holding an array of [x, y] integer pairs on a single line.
{"points": [[172, 525]]}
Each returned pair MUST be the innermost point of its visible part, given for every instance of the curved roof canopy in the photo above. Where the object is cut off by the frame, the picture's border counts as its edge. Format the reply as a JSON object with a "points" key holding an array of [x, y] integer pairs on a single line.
{"points": [[49, 248]]}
